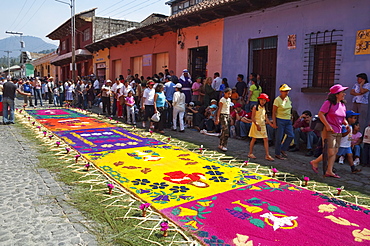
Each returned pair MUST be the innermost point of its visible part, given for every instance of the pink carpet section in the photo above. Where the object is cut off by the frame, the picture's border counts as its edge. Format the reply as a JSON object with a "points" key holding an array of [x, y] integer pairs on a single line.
{"points": [[273, 213]]}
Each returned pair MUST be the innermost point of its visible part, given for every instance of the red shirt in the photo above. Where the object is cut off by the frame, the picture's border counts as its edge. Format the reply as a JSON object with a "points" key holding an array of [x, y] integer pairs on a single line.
{"points": [[241, 113]]}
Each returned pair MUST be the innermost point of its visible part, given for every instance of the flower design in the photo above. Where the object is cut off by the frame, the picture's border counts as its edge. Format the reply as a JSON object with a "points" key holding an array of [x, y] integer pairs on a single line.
{"points": [[214, 173], [161, 185], [212, 167], [205, 203], [180, 211], [107, 133], [360, 236], [96, 134], [132, 143], [140, 182], [107, 145], [161, 198], [273, 184], [218, 179], [192, 223], [177, 189], [214, 241], [242, 240], [120, 144], [327, 208], [85, 135]]}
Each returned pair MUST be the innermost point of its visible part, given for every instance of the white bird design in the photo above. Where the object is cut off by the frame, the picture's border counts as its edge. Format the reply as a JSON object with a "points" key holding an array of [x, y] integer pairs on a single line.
{"points": [[279, 222]]}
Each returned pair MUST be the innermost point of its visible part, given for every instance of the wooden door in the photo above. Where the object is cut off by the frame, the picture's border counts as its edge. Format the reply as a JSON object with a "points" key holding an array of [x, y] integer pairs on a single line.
{"points": [[263, 62], [198, 58], [161, 62]]}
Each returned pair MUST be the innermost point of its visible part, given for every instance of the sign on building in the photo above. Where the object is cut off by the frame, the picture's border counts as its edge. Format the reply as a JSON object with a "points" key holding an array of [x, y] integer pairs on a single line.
{"points": [[363, 42]]}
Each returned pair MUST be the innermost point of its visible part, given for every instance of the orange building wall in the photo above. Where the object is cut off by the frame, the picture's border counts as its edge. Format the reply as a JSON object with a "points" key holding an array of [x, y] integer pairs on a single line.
{"points": [[154, 45], [209, 34]]}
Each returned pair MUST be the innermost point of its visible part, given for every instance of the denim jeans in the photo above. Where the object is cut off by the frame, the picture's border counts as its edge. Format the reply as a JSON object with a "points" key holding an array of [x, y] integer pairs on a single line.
{"points": [[56, 100], [244, 128], [284, 127], [38, 96], [310, 138], [356, 150], [1, 98], [8, 116], [366, 155]]}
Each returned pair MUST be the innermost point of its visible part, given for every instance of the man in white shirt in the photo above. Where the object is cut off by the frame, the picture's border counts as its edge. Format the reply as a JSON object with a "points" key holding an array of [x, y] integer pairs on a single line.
{"points": [[116, 93], [217, 81], [148, 102]]}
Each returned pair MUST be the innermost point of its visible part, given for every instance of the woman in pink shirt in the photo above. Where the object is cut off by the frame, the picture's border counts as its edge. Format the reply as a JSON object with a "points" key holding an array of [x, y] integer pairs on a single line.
{"points": [[333, 115], [196, 89]]}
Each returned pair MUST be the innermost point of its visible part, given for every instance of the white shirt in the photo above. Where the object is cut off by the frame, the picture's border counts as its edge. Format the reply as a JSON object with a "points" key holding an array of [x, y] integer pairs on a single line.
{"points": [[367, 135], [362, 98], [149, 96], [225, 105], [179, 101], [96, 85], [116, 88], [124, 90], [217, 83], [345, 142]]}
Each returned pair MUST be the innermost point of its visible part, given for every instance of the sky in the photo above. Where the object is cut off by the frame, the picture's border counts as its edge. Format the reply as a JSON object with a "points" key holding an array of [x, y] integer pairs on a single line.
{"points": [[40, 17]]}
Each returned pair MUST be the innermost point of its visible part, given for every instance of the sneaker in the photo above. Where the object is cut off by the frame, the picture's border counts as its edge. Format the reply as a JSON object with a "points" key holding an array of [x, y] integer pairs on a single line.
{"points": [[356, 162], [341, 160], [143, 124], [224, 148]]}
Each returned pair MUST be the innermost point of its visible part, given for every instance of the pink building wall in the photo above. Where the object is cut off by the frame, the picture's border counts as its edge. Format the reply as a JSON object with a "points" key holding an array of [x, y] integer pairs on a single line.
{"points": [[154, 45], [208, 34]]}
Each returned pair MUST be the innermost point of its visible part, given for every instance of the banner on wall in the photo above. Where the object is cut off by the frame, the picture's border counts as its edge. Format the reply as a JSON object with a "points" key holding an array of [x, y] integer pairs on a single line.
{"points": [[363, 42], [292, 41], [147, 60]]}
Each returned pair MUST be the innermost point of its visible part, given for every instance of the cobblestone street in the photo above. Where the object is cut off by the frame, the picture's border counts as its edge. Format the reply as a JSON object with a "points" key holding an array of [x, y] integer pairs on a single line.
{"points": [[33, 206]]}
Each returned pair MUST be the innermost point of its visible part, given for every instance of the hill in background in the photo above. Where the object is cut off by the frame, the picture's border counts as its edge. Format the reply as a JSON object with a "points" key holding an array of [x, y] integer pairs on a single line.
{"points": [[32, 44]]}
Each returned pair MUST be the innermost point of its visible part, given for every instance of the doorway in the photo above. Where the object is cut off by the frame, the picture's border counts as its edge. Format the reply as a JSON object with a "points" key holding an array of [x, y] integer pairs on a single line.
{"points": [[197, 62], [262, 61]]}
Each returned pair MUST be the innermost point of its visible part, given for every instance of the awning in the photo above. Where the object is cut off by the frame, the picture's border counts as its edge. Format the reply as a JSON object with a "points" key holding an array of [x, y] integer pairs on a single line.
{"points": [[81, 54]]}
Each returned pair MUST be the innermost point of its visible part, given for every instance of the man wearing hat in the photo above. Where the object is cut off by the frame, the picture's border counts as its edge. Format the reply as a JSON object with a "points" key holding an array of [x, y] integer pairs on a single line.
{"points": [[360, 101], [185, 81], [9, 90], [50, 86]]}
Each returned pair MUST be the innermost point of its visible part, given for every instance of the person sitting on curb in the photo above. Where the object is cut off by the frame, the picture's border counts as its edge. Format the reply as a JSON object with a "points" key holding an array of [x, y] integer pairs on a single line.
{"points": [[303, 131], [236, 114]]}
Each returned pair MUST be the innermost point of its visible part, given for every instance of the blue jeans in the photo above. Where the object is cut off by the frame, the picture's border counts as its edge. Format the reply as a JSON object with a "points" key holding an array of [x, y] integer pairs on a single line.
{"points": [[244, 128], [356, 150], [1, 98], [38, 96], [8, 116], [309, 137], [56, 100], [284, 127]]}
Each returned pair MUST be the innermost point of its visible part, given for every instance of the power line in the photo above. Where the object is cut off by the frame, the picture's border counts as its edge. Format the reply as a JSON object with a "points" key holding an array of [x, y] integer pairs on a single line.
{"points": [[24, 16], [15, 20], [111, 6], [33, 14], [121, 7], [140, 7]]}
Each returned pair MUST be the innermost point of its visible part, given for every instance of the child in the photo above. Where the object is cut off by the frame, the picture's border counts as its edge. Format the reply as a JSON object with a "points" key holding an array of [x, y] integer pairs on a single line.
{"points": [[366, 150], [258, 128], [355, 143], [56, 96], [189, 115], [345, 142], [223, 117], [130, 107]]}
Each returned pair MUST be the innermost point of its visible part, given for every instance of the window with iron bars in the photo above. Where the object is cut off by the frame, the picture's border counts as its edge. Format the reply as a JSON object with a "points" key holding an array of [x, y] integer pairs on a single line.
{"points": [[322, 59]]}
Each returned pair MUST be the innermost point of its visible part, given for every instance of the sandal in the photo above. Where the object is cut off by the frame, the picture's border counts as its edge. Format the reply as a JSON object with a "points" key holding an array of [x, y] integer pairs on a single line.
{"points": [[283, 153], [279, 157], [269, 158], [315, 169], [252, 156], [332, 176]]}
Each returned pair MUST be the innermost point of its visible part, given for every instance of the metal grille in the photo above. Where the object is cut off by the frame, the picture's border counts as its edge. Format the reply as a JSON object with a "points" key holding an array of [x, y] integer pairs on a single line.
{"points": [[322, 58]]}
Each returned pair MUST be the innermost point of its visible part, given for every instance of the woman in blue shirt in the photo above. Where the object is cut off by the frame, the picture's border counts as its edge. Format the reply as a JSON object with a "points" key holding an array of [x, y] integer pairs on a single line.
{"points": [[160, 106]]}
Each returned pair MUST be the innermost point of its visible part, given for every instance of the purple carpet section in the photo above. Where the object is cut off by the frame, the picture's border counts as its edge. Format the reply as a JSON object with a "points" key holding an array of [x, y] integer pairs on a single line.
{"points": [[105, 139], [54, 114]]}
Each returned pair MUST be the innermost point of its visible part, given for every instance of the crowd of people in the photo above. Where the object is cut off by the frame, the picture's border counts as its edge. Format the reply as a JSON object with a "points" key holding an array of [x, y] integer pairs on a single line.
{"points": [[209, 105]]}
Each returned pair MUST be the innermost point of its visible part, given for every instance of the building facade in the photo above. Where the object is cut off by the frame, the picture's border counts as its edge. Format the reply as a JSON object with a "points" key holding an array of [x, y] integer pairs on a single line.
{"points": [[310, 45]]}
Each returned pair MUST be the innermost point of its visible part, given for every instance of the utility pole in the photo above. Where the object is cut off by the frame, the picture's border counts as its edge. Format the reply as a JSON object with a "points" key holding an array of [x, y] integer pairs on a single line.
{"points": [[8, 51], [73, 34], [22, 46]]}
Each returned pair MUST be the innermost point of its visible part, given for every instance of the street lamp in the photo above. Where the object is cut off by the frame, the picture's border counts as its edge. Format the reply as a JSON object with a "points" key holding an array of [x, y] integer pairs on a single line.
{"points": [[22, 46], [73, 33]]}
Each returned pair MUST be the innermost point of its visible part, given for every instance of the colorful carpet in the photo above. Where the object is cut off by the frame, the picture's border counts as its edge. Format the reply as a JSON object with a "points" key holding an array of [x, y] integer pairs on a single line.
{"points": [[220, 204]]}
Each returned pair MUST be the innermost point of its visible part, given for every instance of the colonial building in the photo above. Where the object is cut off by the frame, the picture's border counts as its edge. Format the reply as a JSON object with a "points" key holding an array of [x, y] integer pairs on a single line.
{"points": [[89, 28], [43, 67]]}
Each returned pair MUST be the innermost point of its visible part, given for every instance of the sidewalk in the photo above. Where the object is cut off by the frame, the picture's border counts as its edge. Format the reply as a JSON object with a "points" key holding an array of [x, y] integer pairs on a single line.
{"points": [[33, 206], [296, 163]]}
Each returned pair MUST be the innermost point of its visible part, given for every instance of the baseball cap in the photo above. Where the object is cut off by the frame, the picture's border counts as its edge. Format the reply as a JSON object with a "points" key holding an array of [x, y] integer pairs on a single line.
{"points": [[350, 113], [178, 85]]}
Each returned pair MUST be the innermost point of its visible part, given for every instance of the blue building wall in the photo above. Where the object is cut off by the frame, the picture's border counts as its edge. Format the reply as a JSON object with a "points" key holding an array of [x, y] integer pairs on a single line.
{"points": [[300, 18]]}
